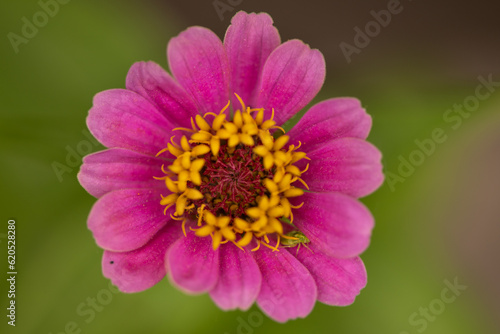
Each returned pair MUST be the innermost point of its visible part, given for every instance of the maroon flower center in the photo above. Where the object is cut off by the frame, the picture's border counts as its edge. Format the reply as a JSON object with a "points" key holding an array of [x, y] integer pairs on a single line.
{"points": [[232, 182]]}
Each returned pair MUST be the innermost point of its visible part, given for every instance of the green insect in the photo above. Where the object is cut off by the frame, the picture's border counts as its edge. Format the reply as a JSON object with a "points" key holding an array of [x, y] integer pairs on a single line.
{"points": [[295, 238]]}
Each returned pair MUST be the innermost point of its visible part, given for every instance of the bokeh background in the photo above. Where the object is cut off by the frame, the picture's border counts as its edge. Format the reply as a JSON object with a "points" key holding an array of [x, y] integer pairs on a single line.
{"points": [[439, 223]]}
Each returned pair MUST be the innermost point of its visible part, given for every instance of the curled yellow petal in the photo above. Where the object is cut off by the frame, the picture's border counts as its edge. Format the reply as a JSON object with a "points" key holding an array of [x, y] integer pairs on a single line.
{"points": [[216, 240], [210, 218], [186, 160], [201, 136], [268, 161], [276, 225], [218, 121], [267, 140], [241, 224], [247, 139], [233, 140], [184, 144], [238, 119], [197, 165], [180, 206], [277, 211], [200, 150], [174, 150], [294, 170], [202, 124], [261, 151], [280, 142], [228, 233], [254, 212], [195, 177], [294, 192], [231, 127], [215, 145], [169, 199], [245, 240], [204, 231], [270, 185], [171, 185], [193, 194]]}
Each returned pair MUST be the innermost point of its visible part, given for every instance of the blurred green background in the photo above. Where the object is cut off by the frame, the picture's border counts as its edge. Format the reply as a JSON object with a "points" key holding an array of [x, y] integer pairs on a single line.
{"points": [[439, 223]]}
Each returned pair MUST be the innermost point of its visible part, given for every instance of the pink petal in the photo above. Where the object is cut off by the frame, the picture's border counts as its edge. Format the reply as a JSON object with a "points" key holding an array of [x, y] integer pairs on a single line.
{"points": [[142, 268], [153, 83], [122, 118], [199, 63], [331, 119], [292, 75], [338, 224], [348, 165], [288, 290], [118, 168], [239, 279], [124, 220], [249, 41], [339, 281], [192, 264]]}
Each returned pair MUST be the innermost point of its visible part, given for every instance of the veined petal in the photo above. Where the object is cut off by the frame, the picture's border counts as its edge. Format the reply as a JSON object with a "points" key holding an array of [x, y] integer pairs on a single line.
{"points": [[339, 281], [122, 118], [239, 279], [153, 83], [192, 264], [199, 63], [331, 119], [348, 165], [124, 220], [249, 41], [142, 268], [118, 168], [288, 290], [340, 225], [292, 76]]}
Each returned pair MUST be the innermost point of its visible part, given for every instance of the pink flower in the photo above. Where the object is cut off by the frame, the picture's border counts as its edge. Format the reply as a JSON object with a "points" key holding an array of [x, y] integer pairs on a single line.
{"points": [[200, 189]]}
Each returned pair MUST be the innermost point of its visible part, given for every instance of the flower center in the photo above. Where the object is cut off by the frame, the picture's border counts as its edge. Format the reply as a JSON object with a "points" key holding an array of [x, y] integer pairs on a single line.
{"points": [[232, 182], [234, 178]]}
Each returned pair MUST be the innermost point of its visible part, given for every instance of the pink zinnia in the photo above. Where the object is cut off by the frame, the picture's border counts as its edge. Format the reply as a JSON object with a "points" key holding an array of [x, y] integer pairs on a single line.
{"points": [[211, 191]]}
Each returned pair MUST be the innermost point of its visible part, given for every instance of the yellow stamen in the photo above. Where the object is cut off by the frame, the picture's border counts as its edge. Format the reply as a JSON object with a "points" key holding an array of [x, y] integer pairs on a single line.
{"points": [[241, 101], [218, 141], [245, 240], [256, 248], [236, 244], [202, 124], [294, 192], [216, 240], [162, 151], [303, 182], [183, 129], [176, 218], [184, 227], [297, 206]]}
